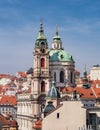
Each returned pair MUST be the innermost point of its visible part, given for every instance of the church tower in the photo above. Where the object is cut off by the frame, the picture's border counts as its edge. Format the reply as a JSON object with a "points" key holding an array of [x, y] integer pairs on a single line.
{"points": [[41, 64], [41, 74]]}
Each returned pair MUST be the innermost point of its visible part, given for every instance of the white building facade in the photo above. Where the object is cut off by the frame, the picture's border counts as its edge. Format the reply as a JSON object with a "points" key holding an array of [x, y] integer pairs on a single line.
{"points": [[69, 116], [95, 72]]}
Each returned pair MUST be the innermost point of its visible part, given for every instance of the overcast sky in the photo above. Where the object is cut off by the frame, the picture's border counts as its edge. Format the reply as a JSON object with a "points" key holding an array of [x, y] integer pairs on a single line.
{"points": [[78, 23]]}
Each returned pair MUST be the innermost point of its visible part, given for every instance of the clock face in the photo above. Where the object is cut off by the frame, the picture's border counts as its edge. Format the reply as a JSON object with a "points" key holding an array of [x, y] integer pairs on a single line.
{"points": [[42, 50]]}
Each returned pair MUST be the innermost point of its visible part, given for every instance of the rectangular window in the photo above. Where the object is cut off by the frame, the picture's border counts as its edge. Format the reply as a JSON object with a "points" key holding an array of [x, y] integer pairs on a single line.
{"points": [[93, 120], [57, 115]]}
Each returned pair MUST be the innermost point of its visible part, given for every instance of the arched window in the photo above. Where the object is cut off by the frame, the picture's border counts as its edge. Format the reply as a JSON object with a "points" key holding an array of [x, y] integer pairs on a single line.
{"points": [[62, 77], [55, 76], [42, 43], [42, 86], [71, 77], [42, 62], [54, 46], [57, 45]]}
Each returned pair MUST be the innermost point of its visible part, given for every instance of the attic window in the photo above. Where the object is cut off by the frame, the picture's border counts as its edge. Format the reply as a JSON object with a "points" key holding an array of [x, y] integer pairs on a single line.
{"points": [[81, 95], [62, 56]]}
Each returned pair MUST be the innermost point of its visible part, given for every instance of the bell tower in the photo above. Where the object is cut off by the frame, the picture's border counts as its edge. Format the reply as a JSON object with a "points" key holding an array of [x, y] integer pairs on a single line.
{"points": [[41, 65]]}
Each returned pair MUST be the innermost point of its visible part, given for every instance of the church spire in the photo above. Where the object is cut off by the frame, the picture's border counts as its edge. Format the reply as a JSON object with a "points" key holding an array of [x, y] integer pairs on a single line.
{"points": [[85, 79], [57, 44], [41, 31], [57, 34], [85, 73]]}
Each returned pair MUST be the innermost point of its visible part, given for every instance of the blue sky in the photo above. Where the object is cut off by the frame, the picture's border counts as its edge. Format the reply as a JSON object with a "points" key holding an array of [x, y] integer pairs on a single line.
{"points": [[79, 28]]}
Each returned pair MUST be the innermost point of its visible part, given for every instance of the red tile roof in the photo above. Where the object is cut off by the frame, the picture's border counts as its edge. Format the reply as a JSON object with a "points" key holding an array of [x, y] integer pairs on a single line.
{"points": [[85, 93], [5, 99], [91, 93], [13, 123], [3, 120], [8, 123], [22, 74], [4, 76], [37, 124], [67, 89]]}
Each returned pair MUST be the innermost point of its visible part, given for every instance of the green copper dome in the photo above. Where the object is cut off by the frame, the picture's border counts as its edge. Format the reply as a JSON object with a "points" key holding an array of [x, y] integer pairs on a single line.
{"points": [[60, 55]]}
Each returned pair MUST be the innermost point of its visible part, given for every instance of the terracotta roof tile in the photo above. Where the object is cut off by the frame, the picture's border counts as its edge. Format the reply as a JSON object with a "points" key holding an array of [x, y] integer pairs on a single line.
{"points": [[67, 89], [13, 123], [11, 100], [85, 93], [37, 124], [22, 74], [3, 120], [5, 76], [6, 122]]}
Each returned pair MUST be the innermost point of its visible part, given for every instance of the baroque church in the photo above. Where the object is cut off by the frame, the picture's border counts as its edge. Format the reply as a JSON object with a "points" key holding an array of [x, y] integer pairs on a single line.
{"points": [[53, 70]]}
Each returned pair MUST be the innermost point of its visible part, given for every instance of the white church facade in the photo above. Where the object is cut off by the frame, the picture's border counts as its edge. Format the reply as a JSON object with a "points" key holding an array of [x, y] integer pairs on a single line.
{"points": [[53, 64]]}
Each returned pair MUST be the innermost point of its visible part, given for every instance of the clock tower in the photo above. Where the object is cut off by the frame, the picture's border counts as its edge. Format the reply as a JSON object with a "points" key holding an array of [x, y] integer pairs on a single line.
{"points": [[41, 74]]}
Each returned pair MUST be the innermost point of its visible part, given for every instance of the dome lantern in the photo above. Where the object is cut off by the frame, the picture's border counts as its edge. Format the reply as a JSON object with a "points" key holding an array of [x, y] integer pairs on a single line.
{"points": [[56, 44]]}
